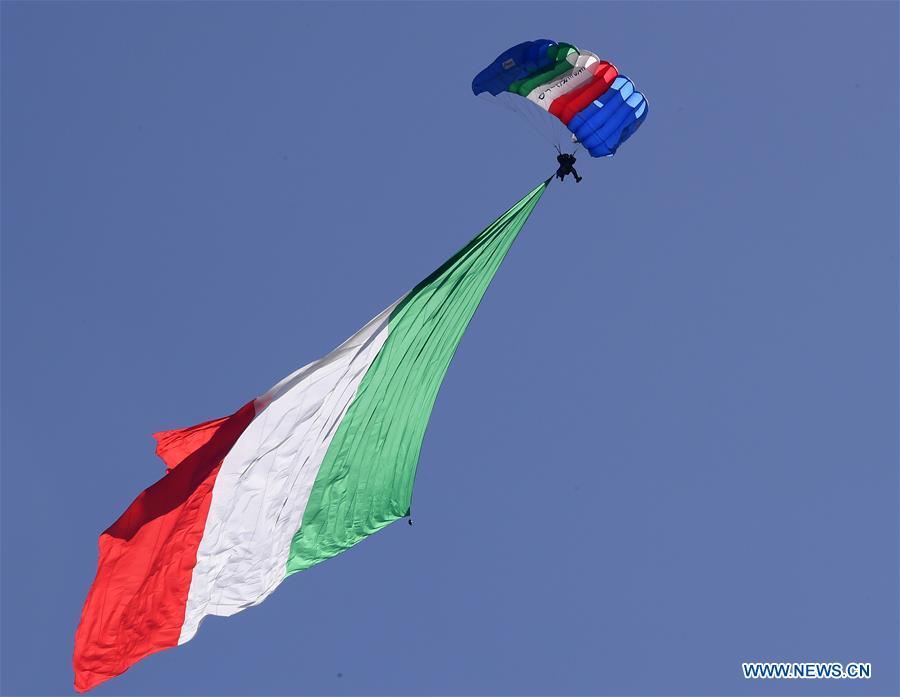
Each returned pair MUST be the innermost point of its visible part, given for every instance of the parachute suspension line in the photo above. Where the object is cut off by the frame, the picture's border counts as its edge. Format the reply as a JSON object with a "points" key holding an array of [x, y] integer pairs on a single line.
{"points": [[525, 111], [545, 125], [533, 118]]}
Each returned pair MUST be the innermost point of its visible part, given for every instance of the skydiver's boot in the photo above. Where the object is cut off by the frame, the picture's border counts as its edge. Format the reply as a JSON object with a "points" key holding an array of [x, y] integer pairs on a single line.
{"points": [[577, 179]]}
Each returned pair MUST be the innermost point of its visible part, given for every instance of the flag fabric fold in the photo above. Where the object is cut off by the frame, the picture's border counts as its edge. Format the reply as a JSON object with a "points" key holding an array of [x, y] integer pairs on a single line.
{"points": [[322, 460]]}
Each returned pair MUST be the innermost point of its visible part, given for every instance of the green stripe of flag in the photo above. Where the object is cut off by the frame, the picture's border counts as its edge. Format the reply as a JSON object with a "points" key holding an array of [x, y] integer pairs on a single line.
{"points": [[366, 479]]}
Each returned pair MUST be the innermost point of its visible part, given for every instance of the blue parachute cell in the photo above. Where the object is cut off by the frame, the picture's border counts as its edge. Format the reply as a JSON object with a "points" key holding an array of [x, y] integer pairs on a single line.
{"points": [[606, 123], [618, 92], [511, 65]]}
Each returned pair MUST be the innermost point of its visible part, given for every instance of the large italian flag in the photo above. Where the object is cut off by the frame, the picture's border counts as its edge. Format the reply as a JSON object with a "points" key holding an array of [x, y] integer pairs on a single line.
{"points": [[325, 458]]}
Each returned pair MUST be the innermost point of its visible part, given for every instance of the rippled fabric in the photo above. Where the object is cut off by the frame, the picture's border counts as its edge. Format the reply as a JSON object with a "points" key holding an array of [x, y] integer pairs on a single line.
{"points": [[325, 458], [136, 603], [367, 477], [265, 481]]}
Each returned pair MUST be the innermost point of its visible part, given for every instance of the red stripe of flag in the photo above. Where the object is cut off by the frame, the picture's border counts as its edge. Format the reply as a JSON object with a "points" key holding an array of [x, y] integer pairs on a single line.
{"points": [[136, 604]]}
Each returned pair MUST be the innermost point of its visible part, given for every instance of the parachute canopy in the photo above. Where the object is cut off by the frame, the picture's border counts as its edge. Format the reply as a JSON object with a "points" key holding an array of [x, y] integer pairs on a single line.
{"points": [[585, 93]]}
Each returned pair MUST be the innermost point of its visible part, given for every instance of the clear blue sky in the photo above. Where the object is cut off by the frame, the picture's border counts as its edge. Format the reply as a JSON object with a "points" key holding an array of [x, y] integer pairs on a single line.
{"points": [[668, 442]]}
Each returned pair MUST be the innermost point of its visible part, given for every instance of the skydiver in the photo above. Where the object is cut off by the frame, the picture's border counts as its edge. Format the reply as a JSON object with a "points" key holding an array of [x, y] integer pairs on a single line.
{"points": [[566, 166]]}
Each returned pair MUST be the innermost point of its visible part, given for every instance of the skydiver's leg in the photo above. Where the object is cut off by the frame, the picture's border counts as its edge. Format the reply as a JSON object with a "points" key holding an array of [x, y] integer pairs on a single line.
{"points": [[575, 172]]}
